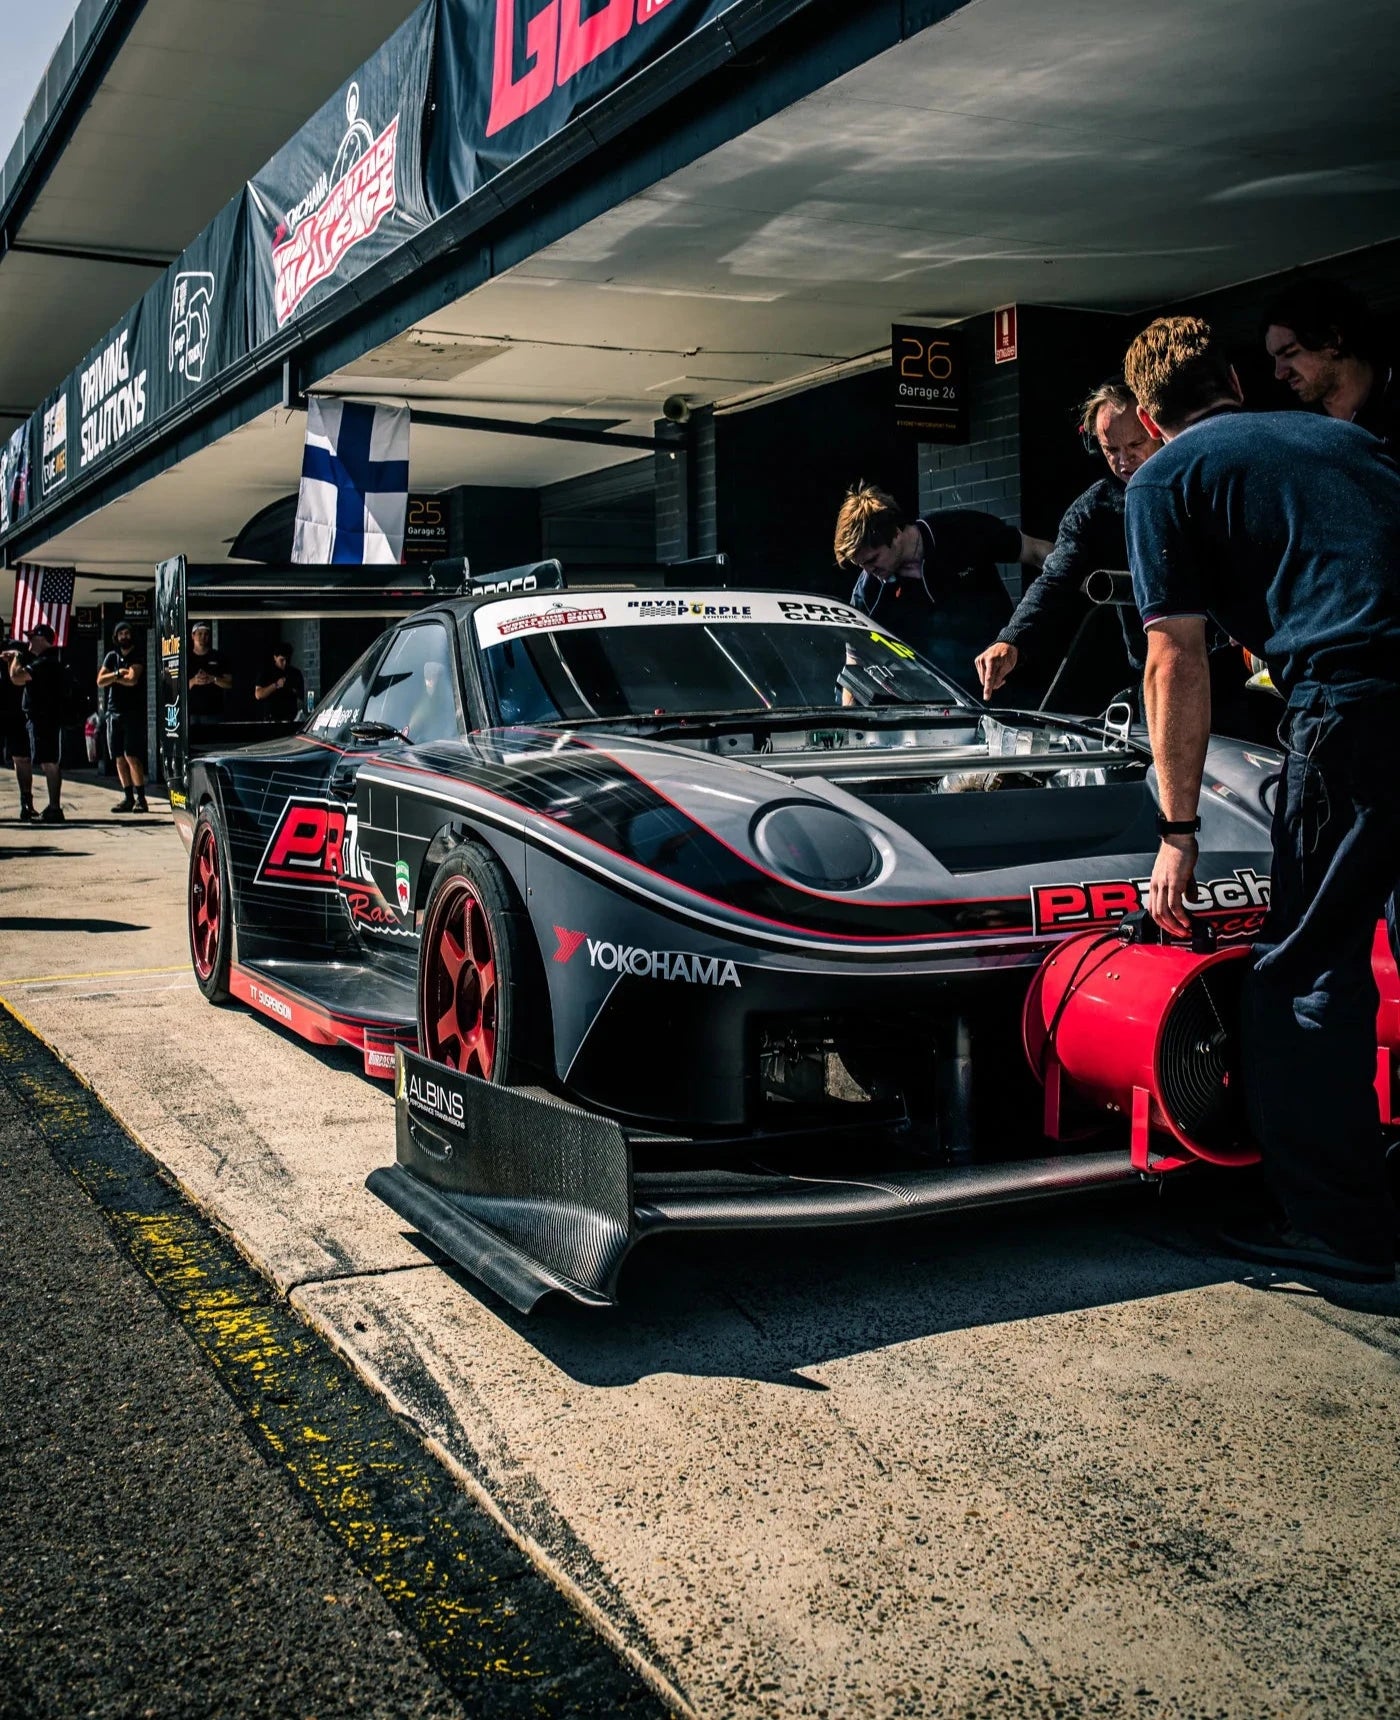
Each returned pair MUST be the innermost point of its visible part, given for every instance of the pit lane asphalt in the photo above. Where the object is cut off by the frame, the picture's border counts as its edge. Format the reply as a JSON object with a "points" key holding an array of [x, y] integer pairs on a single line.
{"points": [[1063, 1461]]}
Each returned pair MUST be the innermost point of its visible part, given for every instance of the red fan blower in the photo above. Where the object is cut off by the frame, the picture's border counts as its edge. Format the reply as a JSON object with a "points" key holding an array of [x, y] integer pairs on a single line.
{"points": [[1121, 1021]]}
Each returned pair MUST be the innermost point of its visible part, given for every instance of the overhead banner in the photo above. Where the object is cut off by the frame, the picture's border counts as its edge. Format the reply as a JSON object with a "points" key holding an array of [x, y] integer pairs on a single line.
{"points": [[510, 73], [14, 477], [348, 188]]}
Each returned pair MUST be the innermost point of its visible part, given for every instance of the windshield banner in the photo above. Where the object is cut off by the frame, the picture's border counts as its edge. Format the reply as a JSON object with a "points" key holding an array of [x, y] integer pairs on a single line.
{"points": [[348, 188], [518, 617], [512, 72]]}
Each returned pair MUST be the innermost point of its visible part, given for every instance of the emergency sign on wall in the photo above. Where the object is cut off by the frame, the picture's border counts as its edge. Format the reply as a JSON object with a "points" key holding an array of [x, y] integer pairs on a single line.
{"points": [[1004, 334], [929, 378]]}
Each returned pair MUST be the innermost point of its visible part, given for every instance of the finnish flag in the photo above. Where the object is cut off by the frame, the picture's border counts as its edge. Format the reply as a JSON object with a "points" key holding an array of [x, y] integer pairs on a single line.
{"points": [[354, 483]]}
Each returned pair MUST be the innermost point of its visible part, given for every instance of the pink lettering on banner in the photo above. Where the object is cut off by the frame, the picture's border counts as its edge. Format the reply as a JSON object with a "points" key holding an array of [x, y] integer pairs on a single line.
{"points": [[352, 211], [559, 43]]}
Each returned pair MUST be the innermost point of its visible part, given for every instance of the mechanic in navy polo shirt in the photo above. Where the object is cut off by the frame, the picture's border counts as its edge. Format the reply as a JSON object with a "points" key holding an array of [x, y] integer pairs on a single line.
{"points": [[932, 581], [1284, 528]]}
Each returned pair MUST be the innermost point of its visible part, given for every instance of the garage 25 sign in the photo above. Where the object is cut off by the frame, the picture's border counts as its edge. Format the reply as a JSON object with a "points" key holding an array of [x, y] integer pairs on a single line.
{"points": [[929, 378]]}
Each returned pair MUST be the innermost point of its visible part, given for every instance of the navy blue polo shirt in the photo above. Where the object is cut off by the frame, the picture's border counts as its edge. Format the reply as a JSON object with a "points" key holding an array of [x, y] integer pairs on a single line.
{"points": [[1285, 527], [961, 604]]}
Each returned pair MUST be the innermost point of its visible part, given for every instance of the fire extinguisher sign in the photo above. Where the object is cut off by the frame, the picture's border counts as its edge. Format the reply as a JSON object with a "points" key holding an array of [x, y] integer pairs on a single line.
{"points": [[1004, 334]]}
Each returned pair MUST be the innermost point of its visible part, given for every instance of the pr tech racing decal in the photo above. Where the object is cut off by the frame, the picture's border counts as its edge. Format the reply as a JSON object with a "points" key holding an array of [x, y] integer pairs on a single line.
{"points": [[315, 846], [1235, 905]]}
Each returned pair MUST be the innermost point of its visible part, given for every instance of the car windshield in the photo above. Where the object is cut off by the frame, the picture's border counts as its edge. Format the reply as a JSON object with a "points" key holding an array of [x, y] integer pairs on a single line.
{"points": [[610, 655]]}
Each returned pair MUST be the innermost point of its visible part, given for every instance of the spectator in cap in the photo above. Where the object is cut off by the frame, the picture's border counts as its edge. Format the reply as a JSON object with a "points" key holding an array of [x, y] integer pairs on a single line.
{"points": [[44, 681], [210, 676], [122, 676], [280, 690]]}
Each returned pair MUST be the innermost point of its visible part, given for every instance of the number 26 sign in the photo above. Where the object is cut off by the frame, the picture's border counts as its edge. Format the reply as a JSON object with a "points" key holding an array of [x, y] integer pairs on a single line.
{"points": [[929, 379]]}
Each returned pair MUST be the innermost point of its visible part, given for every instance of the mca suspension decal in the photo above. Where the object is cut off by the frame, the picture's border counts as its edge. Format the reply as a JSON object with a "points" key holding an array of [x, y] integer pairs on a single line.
{"points": [[1235, 905]]}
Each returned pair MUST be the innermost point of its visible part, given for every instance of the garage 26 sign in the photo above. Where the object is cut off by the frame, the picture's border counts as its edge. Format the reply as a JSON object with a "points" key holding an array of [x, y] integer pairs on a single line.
{"points": [[928, 376]]}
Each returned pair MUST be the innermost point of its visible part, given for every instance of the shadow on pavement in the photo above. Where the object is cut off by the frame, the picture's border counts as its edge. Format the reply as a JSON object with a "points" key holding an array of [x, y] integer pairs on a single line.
{"points": [[52, 923]]}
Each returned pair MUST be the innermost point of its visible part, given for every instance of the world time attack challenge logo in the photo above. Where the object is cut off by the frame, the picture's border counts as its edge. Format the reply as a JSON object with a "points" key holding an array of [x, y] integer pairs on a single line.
{"points": [[341, 210]]}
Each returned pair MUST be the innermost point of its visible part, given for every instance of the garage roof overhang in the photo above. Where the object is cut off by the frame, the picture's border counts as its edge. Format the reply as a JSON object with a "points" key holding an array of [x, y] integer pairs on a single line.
{"points": [[149, 117], [771, 223]]}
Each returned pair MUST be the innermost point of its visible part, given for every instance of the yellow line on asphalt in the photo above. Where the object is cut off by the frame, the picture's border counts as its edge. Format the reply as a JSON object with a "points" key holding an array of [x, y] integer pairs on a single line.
{"points": [[101, 973]]}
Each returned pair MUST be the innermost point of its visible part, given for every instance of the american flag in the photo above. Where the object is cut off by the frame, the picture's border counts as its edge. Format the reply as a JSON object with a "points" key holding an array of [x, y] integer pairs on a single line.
{"points": [[42, 594]]}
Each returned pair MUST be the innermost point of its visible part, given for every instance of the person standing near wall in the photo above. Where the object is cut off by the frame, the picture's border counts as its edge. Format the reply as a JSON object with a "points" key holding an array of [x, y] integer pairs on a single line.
{"points": [[933, 580], [1282, 526], [280, 690], [45, 682], [15, 735], [123, 677]]}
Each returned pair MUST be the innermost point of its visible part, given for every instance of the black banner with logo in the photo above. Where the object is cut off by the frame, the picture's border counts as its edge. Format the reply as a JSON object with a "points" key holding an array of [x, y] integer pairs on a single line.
{"points": [[348, 188], [510, 73], [356, 182]]}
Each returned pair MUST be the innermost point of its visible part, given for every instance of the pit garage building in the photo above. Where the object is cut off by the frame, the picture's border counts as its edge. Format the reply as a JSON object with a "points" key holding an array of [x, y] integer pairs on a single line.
{"points": [[647, 271]]}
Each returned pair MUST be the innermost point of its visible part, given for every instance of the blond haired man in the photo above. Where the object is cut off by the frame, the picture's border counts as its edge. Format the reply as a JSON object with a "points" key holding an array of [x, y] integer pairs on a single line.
{"points": [[1282, 527], [931, 580]]}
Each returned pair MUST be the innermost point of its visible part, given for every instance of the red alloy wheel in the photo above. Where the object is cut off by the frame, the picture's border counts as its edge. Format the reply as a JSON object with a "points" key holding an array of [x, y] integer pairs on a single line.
{"points": [[206, 902], [459, 991]]}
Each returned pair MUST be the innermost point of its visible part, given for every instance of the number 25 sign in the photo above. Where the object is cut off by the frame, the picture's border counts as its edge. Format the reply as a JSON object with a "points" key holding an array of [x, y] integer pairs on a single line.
{"points": [[929, 380]]}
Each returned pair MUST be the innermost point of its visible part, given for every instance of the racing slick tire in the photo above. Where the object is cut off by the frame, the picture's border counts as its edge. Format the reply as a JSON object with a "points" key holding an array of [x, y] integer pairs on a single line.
{"points": [[210, 907], [482, 1004]]}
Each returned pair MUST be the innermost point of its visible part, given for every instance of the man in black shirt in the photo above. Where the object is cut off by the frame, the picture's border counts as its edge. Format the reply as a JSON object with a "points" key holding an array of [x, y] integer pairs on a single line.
{"points": [[14, 731], [210, 676], [123, 675], [45, 684], [933, 581], [281, 691], [1091, 536], [1325, 346], [1282, 526]]}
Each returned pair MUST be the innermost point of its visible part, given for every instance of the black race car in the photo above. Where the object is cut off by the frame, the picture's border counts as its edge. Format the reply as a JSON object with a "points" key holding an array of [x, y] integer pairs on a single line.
{"points": [[732, 876]]}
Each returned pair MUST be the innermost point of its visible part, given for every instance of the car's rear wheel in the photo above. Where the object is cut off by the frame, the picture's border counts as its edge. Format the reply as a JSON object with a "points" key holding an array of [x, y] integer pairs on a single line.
{"points": [[481, 1001], [210, 908]]}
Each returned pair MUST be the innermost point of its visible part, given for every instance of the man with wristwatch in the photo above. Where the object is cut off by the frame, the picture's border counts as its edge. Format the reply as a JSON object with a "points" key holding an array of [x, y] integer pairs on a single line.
{"points": [[1282, 527]]}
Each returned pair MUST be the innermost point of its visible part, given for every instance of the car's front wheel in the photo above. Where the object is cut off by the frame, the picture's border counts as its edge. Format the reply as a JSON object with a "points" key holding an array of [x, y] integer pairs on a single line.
{"points": [[210, 907], [481, 1003]]}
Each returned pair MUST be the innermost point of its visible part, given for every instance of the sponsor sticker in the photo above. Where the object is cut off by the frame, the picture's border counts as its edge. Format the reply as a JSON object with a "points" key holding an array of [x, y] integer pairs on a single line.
{"points": [[621, 959], [54, 467], [306, 847], [265, 1000], [510, 616], [557, 615], [1235, 905], [403, 886], [435, 1100]]}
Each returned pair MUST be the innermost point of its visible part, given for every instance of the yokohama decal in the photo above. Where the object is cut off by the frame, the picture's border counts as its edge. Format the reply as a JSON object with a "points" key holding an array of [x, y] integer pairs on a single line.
{"points": [[1235, 905], [647, 964]]}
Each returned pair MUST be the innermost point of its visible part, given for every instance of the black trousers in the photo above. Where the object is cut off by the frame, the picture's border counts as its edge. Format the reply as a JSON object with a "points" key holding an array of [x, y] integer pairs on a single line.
{"points": [[1309, 1019]]}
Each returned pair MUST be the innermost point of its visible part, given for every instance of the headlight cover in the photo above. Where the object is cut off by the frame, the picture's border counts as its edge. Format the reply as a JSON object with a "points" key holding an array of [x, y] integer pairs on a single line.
{"points": [[816, 845]]}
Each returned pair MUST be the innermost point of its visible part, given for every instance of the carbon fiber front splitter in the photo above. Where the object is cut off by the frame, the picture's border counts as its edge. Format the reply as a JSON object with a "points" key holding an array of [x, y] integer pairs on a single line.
{"points": [[531, 1195]]}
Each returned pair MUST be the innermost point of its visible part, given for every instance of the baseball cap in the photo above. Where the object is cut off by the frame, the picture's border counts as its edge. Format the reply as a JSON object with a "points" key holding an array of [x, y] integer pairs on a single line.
{"points": [[42, 631], [201, 627]]}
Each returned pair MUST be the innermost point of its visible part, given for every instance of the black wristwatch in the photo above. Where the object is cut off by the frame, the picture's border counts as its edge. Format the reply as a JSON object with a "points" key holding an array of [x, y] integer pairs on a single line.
{"points": [[1178, 826]]}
